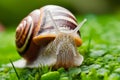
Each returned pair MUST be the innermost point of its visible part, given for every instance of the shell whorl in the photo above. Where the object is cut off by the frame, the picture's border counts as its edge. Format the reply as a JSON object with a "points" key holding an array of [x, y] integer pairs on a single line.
{"points": [[24, 34]]}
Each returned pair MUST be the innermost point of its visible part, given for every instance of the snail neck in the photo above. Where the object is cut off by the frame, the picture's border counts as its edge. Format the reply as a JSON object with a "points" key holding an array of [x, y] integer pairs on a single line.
{"points": [[65, 50]]}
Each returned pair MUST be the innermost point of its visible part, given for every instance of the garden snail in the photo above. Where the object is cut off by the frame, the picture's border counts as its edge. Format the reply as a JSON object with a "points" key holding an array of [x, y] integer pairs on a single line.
{"points": [[49, 36]]}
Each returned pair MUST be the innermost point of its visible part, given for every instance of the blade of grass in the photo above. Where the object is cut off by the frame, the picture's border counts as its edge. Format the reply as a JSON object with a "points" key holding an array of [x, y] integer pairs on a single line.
{"points": [[14, 69], [89, 43]]}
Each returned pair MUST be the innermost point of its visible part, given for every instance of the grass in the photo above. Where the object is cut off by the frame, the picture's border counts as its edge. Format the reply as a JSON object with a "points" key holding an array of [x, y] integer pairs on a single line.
{"points": [[100, 48]]}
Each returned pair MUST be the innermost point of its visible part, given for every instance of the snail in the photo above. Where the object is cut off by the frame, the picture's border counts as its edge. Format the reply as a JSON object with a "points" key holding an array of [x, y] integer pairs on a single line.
{"points": [[49, 36]]}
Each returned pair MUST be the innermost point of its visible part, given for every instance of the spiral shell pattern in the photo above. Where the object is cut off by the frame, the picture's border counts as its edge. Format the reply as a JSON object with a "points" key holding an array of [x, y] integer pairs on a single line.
{"points": [[24, 34]]}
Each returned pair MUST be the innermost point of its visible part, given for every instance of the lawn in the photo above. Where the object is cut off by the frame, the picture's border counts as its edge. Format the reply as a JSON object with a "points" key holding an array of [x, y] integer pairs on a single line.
{"points": [[100, 48]]}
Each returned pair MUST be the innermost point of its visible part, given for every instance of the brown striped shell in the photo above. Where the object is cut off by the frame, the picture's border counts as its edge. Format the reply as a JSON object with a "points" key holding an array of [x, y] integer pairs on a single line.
{"points": [[36, 30]]}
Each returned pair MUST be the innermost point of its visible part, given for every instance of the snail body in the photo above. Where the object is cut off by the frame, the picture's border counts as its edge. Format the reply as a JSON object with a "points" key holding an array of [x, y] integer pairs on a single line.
{"points": [[49, 36]]}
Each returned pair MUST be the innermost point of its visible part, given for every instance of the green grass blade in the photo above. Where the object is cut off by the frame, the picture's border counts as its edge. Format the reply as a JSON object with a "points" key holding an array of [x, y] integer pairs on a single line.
{"points": [[89, 43], [14, 69]]}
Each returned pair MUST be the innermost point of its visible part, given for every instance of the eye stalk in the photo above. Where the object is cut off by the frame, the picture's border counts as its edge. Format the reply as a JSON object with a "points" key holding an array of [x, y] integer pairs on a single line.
{"points": [[79, 26], [64, 30], [54, 24]]}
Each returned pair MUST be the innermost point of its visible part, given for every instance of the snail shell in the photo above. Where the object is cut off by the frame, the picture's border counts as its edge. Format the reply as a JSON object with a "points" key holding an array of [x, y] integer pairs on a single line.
{"points": [[39, 42]]}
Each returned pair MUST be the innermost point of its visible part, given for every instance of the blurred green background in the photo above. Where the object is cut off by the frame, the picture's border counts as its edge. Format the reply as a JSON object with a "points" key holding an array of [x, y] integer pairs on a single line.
{"points": [[12, 11]]}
